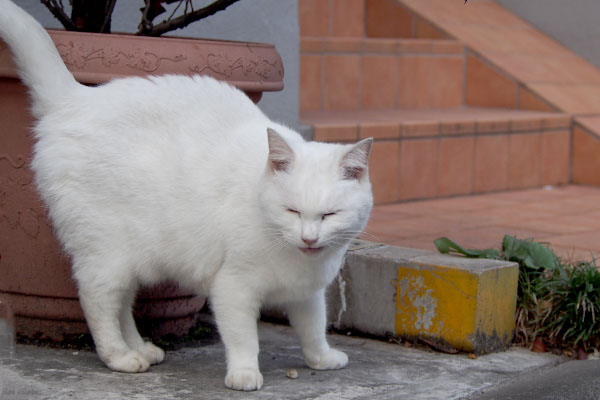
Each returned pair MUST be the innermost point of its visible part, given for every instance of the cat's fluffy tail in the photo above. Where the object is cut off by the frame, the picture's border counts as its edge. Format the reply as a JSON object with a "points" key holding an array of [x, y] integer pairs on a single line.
{"points": [[38, 62]]}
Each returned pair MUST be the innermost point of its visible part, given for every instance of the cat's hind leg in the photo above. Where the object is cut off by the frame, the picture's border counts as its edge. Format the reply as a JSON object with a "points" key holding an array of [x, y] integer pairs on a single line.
{"points": [[152, 353], [308, 318], [102, 296]]}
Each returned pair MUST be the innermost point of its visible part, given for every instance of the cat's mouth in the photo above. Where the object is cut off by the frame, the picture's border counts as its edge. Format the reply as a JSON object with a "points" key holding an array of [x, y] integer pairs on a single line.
{"points": [[310, 250]]}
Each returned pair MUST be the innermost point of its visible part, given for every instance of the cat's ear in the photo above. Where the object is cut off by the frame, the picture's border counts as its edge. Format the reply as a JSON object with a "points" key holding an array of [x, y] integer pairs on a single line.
{"points": [[355, 162], [281, 155]]}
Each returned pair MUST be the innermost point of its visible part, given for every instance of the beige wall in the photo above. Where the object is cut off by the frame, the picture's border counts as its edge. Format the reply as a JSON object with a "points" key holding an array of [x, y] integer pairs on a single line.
{"points": [[574, 23]]}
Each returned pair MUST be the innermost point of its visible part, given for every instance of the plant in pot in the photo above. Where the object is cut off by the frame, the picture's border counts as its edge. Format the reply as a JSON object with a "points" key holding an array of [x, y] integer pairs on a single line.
{"points": [[35, 275]]}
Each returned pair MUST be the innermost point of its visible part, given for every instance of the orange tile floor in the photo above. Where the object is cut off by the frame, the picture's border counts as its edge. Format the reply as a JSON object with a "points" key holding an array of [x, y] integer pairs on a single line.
{"points": [[566, 217]]}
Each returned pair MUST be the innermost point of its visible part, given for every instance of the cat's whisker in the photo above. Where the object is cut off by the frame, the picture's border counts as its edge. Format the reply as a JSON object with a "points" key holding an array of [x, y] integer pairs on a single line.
{"points": [[278, 243], [275, 246], [366, 233], [337, 243]]}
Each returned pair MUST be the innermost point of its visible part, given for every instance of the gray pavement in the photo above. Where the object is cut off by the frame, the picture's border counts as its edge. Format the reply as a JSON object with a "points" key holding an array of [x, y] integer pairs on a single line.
{"points": [[377, 370], [571, 380]]}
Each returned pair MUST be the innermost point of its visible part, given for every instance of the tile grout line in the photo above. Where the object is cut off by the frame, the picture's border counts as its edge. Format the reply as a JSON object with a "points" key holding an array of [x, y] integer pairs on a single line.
{"points": [[541, 158], [322, 71], [473, 165], [399, 179], [330, 18]]}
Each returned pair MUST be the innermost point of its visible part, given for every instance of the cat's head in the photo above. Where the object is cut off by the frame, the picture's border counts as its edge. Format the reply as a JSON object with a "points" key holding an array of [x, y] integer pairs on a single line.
{"points": [[315, 196]]}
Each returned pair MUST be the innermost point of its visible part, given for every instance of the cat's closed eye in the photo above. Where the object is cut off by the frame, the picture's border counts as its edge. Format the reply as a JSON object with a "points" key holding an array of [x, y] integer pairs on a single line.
{"points": [[323, 216]]}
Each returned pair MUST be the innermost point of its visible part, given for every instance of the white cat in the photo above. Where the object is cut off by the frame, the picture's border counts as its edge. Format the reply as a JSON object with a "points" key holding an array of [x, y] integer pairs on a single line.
{"points": [[184, 178]]}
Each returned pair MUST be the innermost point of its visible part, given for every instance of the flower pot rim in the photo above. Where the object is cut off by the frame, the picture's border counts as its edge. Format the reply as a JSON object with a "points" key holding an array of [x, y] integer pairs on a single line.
{"points": [[171, 38], [96, 58]]}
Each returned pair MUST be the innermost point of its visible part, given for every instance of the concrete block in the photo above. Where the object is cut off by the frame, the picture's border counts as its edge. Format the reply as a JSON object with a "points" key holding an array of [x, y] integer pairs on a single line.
{"points": [[363, 297], [452, 303]]}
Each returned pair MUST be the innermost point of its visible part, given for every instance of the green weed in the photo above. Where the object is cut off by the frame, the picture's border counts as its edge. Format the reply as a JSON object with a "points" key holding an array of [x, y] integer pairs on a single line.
{"points": [[557, 301]]}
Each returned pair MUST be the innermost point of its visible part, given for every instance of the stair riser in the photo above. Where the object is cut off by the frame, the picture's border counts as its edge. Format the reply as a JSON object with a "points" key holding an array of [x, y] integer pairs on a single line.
{"points": [[363, 18], [349, 78], [427, 161]]}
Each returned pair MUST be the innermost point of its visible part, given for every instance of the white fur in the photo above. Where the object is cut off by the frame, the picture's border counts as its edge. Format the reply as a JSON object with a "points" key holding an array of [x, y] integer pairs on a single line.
{"points": [[176, 178]]}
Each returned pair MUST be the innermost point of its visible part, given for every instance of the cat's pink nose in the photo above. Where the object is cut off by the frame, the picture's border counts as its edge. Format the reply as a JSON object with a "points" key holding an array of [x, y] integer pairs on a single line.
{"points": [[309, 241]]}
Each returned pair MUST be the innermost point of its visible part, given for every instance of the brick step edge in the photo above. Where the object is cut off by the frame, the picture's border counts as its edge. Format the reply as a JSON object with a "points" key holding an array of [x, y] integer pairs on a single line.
{"points": [[374, 124], [392, 46]]}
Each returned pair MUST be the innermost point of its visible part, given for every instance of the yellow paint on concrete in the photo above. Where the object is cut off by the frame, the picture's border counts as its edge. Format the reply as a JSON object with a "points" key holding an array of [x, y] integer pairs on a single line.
{"points": [[456, 307], [497, 302]]}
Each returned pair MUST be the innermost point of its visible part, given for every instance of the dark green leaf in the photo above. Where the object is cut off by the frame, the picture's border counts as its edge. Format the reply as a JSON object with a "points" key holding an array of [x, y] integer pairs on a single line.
{"points": [[447, 246]]}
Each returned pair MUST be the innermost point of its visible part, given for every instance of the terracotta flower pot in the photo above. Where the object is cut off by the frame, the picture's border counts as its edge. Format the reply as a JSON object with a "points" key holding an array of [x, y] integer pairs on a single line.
{"points": [[35, 275]]}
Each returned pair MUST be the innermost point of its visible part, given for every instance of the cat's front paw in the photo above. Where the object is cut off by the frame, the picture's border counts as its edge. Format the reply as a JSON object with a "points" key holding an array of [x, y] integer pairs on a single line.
{"points": [[152, 353], [130, 361], [244, 379], [332, 359]]}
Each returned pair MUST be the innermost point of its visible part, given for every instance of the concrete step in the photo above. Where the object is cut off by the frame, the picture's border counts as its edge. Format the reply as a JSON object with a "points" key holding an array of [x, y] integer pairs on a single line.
{"points": [[449, 302], [430, 153]]}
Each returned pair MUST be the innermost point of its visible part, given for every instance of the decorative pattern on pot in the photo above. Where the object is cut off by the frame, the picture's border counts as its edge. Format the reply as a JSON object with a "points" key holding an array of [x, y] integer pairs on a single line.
{"points": [[78, 54], [19, 214], [96, 58], [222, 64]]}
